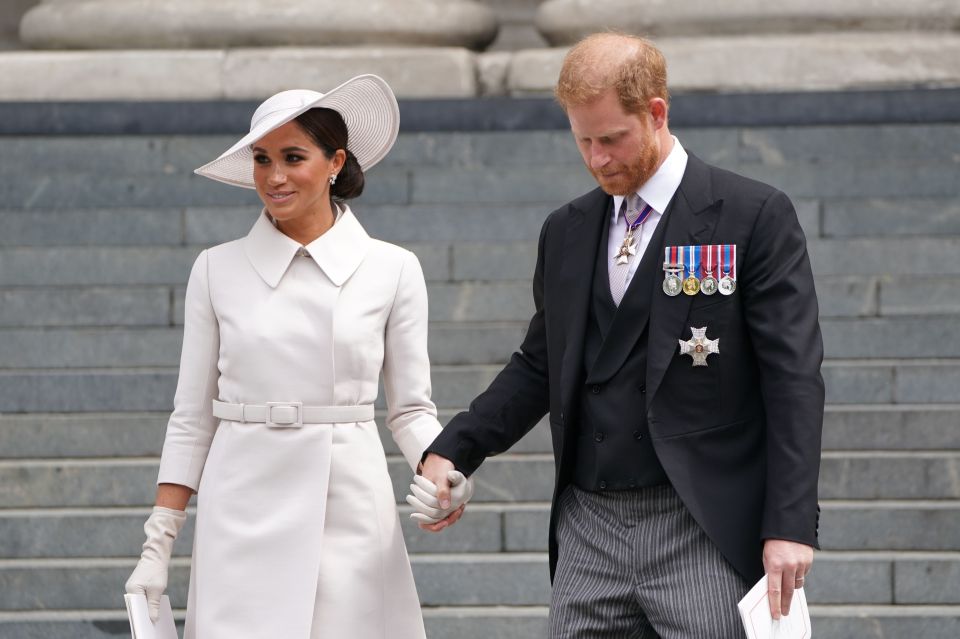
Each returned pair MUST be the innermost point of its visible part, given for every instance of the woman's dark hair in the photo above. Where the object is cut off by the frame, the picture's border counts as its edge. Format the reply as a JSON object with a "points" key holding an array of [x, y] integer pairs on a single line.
{"points": [[329, 131]]}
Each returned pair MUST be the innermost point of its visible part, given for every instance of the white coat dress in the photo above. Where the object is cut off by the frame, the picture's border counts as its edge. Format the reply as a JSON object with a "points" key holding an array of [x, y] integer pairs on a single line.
{"points": [[297, 533]]}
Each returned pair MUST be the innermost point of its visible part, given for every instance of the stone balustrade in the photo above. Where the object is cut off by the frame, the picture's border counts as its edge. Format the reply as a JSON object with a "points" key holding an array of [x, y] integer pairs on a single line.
{"points": [[186, 24], [563, 22]]}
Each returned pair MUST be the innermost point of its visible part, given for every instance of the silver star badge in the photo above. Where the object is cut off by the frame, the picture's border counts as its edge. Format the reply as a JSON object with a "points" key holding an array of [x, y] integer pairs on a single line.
{"points": [[627, 249], [698, 346]]}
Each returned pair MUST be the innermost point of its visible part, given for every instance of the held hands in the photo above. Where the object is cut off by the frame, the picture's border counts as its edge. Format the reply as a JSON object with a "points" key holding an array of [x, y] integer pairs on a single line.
{"points": [[439, 494], [786, 564], [150, 575]]}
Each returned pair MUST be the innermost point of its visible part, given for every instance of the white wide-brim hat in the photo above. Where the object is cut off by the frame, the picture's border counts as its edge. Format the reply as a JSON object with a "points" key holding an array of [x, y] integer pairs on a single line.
{"points": [[366, 103]]}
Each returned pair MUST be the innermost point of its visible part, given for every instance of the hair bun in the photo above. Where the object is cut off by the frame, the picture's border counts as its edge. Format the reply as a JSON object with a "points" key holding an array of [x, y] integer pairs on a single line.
{"points": [[350, 180]]}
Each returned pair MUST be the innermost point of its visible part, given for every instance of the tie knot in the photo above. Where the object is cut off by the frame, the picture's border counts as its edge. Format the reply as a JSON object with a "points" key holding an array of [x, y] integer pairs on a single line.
{"points": [[631, 208]]}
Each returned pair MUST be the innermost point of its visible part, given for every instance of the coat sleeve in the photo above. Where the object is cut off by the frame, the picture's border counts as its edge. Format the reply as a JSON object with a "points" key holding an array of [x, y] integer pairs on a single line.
{"points": [[411, 415], [192, 424], [782, 318], [515, 400]]}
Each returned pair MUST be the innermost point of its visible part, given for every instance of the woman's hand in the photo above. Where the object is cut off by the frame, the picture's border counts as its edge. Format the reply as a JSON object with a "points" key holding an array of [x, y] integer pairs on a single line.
{"points": [[436, 508], [150, 575]]}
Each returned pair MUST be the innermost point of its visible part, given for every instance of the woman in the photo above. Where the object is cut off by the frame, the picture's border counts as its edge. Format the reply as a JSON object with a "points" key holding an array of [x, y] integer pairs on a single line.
{"points": [[286, 332]]}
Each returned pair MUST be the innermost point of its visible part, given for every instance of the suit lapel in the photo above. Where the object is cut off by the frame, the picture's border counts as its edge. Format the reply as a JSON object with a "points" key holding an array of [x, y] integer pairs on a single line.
{"points": [[694, 214], [581, 243]]}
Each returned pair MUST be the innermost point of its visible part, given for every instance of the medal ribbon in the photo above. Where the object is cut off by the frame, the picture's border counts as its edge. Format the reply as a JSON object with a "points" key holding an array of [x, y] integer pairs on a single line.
{"points": [[706, 258], [641, 218], [671, 256], [730, 260], [691, 264]]}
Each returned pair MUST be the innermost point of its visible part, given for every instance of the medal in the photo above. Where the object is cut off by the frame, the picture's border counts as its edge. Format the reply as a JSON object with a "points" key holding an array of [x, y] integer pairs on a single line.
{"points": [[672, 284], [728, 283], [699, 346], [708, 285], [691, 285], [629, 247]]}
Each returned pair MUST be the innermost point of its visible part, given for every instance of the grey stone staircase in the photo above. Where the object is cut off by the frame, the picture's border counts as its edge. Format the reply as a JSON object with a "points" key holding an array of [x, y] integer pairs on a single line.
{"points": [[97, 235]]}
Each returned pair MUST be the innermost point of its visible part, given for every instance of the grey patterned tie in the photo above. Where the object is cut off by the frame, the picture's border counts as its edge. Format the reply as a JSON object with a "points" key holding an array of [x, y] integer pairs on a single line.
{"points": [[630, 209]]}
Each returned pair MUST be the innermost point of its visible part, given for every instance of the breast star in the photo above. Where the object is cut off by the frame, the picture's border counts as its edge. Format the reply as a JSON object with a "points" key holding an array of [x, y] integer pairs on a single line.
{"points": [[698, 346]]}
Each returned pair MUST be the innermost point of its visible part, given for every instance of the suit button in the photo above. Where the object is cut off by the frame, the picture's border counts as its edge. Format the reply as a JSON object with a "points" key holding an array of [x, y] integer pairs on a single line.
{"points": [[643, 390], [595, 389], [637, 434], [603, 485], [632, 484], [598, 437]]}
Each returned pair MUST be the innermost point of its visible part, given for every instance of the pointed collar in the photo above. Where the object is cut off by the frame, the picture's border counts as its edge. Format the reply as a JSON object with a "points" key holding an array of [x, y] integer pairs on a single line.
{"points": [[338, 252]]}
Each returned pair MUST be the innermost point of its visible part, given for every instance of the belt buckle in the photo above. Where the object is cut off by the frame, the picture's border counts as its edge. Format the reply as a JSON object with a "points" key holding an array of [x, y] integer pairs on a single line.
{"points": [[297, 422]]}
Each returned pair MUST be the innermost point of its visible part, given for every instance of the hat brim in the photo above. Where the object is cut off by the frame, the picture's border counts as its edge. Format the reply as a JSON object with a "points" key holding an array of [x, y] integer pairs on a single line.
{"points": [[368, 108]]}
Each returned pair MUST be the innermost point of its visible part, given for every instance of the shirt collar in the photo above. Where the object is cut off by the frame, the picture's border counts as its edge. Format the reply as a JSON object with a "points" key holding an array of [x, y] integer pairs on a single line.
{"points": [[338, 252], [662, 185]]}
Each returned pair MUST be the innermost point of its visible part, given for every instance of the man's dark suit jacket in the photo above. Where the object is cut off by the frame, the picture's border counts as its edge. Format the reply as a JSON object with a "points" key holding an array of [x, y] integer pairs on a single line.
{"points": [[738, 439]]}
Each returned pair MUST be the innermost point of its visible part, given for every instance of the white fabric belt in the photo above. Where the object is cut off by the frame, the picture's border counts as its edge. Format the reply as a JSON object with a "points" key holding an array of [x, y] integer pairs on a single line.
{"points": [[291, 414]]}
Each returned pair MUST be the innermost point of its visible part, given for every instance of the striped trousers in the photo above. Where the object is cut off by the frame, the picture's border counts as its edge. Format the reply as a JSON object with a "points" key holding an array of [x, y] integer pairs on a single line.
{"points": [[636, 565]]}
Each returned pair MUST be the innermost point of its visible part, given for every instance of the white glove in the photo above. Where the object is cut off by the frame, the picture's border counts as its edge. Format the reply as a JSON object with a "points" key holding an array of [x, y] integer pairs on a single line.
{"points": [[150, 575], [424, 500]]}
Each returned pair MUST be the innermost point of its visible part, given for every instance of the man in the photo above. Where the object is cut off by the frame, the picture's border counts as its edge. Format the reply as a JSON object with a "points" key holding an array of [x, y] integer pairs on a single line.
{"points": [[677, 349]]}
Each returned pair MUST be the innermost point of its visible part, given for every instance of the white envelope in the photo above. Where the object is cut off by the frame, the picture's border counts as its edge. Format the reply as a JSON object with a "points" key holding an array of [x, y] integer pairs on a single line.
{"points": [[759, 624], [140, 625]]}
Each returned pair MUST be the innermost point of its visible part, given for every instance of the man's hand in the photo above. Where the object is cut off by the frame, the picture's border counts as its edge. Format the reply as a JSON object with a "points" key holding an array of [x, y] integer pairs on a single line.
{"points": [[435, 468], [786, 564], [426, 505]]}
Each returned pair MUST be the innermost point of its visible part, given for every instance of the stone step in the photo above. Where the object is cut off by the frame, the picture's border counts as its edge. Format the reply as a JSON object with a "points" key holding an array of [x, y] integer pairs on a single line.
{"points": [[450, 344], [855, 428], [872, 217], [518, 579], [829, 217], [43, 533], [125, 191], [521, 622], [884, 262], [879, 427], [92, 227], [458, 342], [89, 304], [903, 381], [398, 223], [86, 306], [730, 147], [509, 477], [491, 185], [881, 622]]}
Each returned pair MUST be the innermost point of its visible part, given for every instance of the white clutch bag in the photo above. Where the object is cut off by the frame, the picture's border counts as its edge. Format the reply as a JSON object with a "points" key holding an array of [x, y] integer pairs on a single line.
{"points": [[140, 625]]}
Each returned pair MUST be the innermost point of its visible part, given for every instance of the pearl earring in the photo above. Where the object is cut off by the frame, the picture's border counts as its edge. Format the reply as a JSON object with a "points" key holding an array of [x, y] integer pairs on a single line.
{"points": [[333, 179]]}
